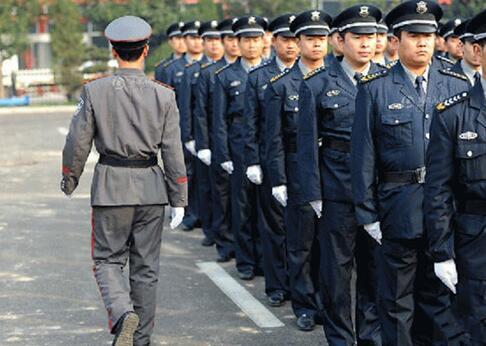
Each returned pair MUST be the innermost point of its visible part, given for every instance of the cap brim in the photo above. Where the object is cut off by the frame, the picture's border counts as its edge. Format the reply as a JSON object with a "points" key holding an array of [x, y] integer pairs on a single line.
{"points": [[251, 34], [420, 28], [289, 34], [363, 30], [314, 32], [211, 36]]}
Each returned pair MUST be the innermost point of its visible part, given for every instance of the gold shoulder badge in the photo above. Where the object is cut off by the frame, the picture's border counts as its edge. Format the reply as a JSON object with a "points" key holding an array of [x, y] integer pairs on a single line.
{"points": [[451, 101], [391, 64], [373, 76], [221, 69], [168, 63], [314, 72], [453, 74], [280, 75], [206, 65]]}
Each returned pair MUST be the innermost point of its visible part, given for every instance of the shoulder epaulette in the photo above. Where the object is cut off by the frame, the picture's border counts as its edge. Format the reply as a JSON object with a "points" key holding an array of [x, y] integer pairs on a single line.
{"points": [[453, 74], [222, 68], [168, 63], [372, 76], [203, 66], [443, 58], [189, 64], [163, 84], [280, 75], [451, 101], [389, 65], [256, 68], [314, 72]]}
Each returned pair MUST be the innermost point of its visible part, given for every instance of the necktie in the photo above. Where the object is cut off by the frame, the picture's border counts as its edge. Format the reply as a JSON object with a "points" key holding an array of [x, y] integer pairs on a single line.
{"points": [[358, 76], [420, 89], [477, 78]]}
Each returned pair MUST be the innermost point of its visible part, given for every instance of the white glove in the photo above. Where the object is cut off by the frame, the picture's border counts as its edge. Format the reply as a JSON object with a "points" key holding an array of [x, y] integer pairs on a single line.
{"points": [[228, 166], [191, 147], [447, 273], [176, 214], [205, 156], [280, 194], [374, 231], [254, 174], [317, 206]]}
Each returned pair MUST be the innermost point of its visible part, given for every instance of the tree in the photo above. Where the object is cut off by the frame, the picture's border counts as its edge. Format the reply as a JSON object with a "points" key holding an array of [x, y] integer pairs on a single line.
{"points": [[15, 18], [67, 46]]}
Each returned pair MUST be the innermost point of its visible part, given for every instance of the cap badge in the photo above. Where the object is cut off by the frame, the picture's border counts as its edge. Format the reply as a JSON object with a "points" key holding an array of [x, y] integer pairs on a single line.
{"points": [[291, 19], [252, 20], [421, 7], [364, 11], [181, 24], [234, 20], [214, 24], [315, 16]]}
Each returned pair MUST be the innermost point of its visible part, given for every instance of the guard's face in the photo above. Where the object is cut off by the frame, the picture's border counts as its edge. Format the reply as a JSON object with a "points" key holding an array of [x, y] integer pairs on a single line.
{"points": [[231, 47], [286, 48], [381, 42], [471, 56], [313, 47], [213, 47], [480, 50], [454, 47], [359, 49], [194, 44], [177, 44], [440, 44], [334, 42], [267, 40], [416, 49], [251, 47], [392, 45]]}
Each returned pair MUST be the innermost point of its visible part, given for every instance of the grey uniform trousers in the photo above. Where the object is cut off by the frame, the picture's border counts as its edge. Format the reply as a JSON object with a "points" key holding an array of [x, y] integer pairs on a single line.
{"points": [[121, 235]]}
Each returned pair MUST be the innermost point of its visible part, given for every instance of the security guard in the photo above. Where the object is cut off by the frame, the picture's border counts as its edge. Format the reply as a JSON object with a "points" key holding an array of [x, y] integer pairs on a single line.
{"points": [[440, 48], [336, 52], [326, 104], [456, 174], [173, 75], [129, 118], [229, 106], [388, 145], [470, 64], [381, 43], [176, 43], [281, 116], [391, 46], [212, 52], [452, 42], [270, 212]]}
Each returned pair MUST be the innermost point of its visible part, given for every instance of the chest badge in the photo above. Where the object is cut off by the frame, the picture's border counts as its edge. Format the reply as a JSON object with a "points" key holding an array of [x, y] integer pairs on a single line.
{"points": [[293, 97], [264, 86], [332, 93], [468, 136], [395, 106], [235, 83], [180, 73]]}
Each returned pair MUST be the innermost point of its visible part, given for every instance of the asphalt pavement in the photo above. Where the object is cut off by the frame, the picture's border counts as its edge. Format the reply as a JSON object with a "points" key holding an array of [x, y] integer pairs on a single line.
{"points": [[48, 294]]}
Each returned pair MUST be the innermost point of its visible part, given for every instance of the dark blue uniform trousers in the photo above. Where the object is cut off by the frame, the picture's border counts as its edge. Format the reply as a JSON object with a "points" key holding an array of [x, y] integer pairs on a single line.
{"points": [[204, 197], [191, 211]]}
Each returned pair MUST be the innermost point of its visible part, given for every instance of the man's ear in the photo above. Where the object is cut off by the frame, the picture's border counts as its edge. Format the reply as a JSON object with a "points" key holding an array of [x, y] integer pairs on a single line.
{"points": [[146, 51], [114, 53]]}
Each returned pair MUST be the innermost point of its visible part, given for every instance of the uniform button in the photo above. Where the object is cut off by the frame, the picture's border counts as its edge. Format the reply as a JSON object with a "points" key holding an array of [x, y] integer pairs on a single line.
{"points": [[427, 135], [237, 93], [397, 121], [469, 153], [296, 109], [427, 116], [336, 105]]}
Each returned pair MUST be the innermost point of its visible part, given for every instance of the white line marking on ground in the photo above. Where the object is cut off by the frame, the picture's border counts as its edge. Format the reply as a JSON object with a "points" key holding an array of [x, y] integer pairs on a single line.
{"points": [[62, 130], [255, 310]]}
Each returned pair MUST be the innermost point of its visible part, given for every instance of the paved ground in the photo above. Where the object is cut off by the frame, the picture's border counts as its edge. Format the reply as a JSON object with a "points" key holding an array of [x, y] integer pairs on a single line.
{"points": [[48, 295]]}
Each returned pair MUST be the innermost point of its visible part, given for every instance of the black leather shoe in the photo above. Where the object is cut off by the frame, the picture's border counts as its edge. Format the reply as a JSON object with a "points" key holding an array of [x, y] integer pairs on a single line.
{"points": [[246, 275], [305, 323], [207, 242], [187, 227], [223, 258], [125, 330], [276, 299]]}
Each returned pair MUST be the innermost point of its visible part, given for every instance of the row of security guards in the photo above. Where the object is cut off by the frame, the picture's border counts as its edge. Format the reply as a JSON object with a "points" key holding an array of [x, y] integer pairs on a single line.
{"points": [[310, 167]]}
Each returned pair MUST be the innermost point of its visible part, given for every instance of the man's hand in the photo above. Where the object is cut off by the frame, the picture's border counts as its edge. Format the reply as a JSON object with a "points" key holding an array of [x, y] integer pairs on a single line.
{"points": [[67, 186], [254, 174], [447, 273], [205, 156], [191, 147], [374, 231], [317, 206], [228, 166], [176, 214], [280, 194]]}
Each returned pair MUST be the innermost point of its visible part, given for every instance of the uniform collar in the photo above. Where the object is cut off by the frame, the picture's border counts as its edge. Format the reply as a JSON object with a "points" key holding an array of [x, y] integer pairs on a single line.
{"points": [[412, 76], [468, 70], [281, 66], [348, 69], [129, 71], [247, 67], [304, 69]]}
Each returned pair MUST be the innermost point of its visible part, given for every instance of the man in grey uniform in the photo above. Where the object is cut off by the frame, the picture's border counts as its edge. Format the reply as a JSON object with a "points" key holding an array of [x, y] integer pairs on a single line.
{"points": [[129, 118]]}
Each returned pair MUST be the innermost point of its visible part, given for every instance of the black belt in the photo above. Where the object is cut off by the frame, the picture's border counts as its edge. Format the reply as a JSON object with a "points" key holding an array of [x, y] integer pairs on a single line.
{"points": [[335, 144], [475, 207], [132, 163], [416, 176]]}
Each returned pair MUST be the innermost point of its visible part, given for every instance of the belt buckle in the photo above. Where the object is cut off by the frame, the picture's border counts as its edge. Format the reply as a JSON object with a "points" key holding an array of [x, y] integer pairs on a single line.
{"points": [[420, 175]]}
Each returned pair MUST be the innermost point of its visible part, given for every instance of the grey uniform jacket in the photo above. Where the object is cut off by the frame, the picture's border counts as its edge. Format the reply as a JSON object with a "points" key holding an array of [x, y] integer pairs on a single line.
{"points": [[129, 117]]}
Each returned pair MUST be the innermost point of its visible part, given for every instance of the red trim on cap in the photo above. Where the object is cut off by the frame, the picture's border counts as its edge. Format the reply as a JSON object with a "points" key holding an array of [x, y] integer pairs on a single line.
{"points": [[181, 180]]}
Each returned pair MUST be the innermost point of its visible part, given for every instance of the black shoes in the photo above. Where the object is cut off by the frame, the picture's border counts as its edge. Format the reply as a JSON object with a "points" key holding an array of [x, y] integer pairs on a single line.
{"points": [[305, 323], [125, 329], [207, 242], [246, 275], [224, 258], [276, 298]]}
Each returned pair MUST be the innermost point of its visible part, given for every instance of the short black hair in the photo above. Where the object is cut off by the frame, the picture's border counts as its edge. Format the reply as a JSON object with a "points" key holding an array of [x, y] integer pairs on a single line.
{"points": [[482, 42], [130, 55]]}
